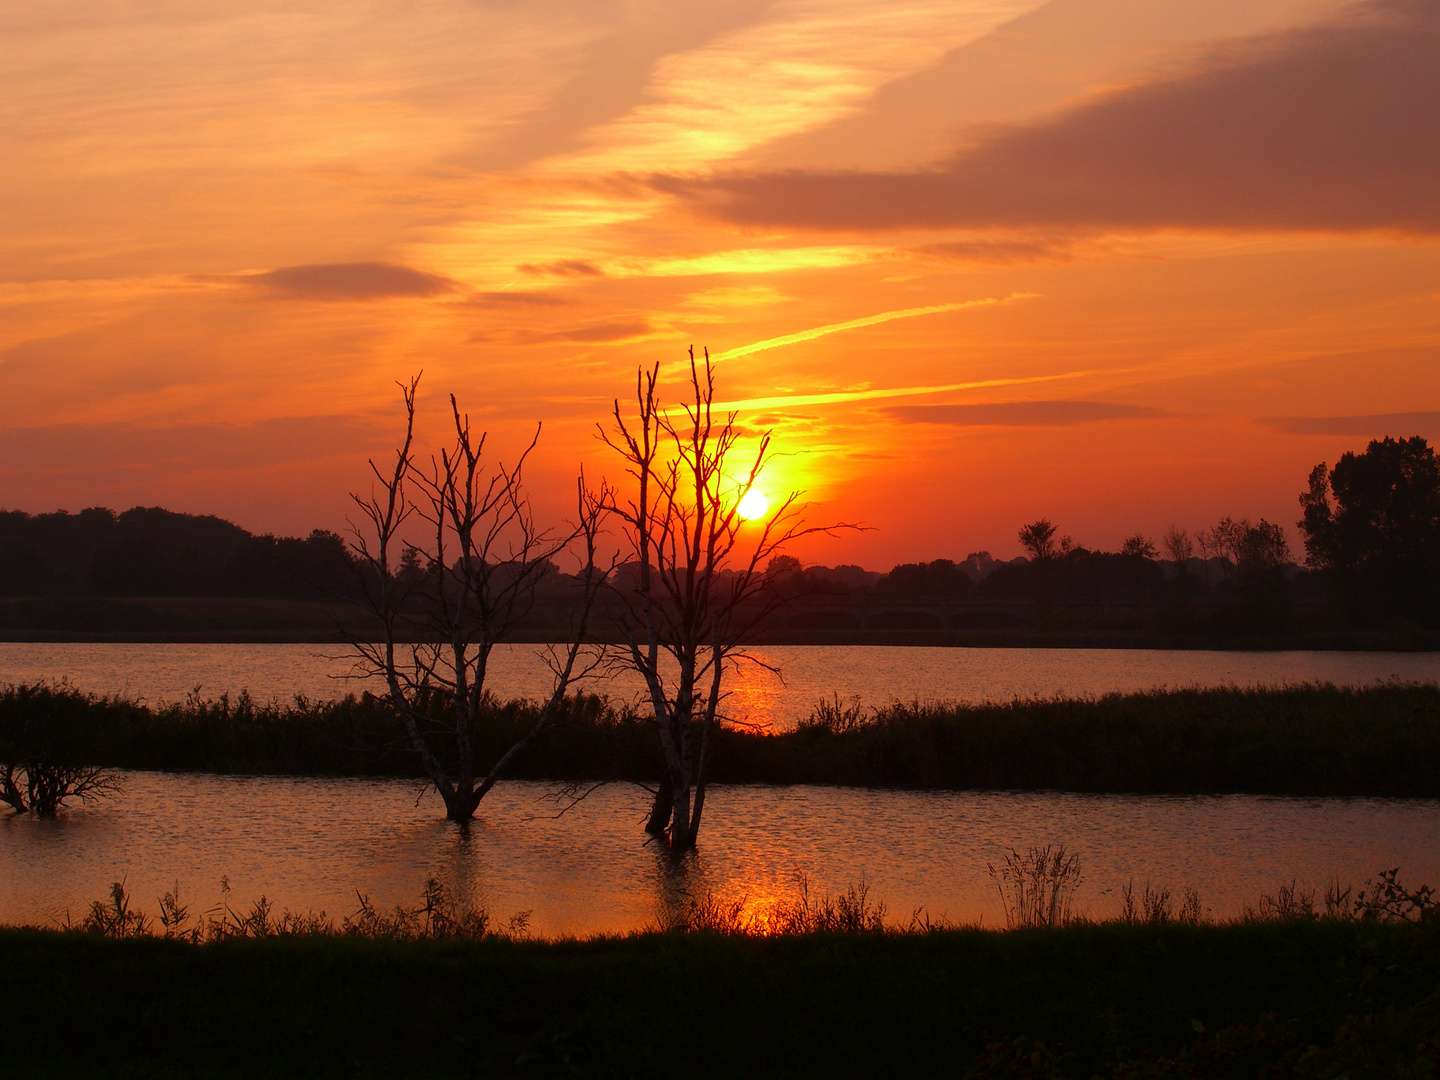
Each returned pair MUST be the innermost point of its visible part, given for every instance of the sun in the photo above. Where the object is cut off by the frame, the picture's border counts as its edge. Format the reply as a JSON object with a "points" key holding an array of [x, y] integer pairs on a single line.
{"points": [[753, 506]]}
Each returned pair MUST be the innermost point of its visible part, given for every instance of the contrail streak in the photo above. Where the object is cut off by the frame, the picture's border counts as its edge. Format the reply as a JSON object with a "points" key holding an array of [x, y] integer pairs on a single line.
{"points": [[868, 320], [795, 400]]}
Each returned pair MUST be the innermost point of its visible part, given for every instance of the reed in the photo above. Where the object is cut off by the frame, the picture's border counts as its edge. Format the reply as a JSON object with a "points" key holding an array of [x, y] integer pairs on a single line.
{"points": [[1353, 996], [1314, 740]]}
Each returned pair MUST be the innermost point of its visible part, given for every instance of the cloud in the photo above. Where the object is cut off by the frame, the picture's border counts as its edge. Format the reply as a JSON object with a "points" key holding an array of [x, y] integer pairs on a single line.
{"points": [[349, 281], [516, 299], [997, 252], [561, 268], [69, 448], [868, 320], [1375, 424], [1021, 413], [1331, 128], [596, 333]]}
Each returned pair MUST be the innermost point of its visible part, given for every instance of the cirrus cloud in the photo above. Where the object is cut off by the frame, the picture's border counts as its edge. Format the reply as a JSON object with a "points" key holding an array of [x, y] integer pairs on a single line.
{"points": [[1062, 413]]}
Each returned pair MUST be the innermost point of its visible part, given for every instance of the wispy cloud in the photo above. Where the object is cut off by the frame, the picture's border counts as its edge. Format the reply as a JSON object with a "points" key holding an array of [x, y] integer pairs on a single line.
{"points": [[790, 401], [1061, 413], [1399, 424], [561, 268], [868, 320], [349, 281]]}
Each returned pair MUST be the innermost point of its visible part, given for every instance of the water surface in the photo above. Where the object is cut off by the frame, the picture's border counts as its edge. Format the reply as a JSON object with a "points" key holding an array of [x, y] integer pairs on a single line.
{"points": [[311, 844]]}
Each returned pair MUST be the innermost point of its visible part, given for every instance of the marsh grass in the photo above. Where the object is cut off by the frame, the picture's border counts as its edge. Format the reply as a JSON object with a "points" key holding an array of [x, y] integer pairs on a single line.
{"points": [[1156, 905], [1037, 887], [438, 917], [805, 912], [833, 990], [1315, 740]]}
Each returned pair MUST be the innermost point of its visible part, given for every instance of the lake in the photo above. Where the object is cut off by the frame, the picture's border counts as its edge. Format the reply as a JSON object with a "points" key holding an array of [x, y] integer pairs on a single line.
{"points": [[310, 844], [876, 674]]}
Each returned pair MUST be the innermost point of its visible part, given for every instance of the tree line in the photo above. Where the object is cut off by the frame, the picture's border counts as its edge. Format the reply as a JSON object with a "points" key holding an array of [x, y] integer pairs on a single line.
{"points": [[1370, 528], [150, 551]]}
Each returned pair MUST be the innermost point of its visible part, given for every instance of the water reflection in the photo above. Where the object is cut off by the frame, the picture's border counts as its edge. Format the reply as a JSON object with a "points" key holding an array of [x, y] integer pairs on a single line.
{"points": [[309, 845]]}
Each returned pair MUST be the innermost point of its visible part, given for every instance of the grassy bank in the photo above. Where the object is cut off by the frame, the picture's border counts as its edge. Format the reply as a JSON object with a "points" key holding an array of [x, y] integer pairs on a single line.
{"points": [[1108, 1000], [1312, 740]]}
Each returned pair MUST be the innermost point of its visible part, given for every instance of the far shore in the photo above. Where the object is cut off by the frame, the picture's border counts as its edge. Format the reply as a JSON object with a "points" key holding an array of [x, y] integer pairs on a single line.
{"points": [[245, 620]]}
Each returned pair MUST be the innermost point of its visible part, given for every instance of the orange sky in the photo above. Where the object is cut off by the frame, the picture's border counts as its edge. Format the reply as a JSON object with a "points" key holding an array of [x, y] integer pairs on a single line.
{"points": [[1119, 263]]}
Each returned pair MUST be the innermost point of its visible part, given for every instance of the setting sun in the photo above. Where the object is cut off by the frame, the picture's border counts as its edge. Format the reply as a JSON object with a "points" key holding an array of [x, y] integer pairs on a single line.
{"points": [[753, 506]]}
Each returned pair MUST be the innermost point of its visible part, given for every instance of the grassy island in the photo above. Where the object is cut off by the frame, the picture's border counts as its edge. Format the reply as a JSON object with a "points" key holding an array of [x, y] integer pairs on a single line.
{"points": [[1316, 740]]}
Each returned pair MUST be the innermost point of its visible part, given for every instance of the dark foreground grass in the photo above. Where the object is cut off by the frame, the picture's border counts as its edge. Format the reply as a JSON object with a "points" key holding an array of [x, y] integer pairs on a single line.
{"points": [[1315, 740], [1338, 997]]}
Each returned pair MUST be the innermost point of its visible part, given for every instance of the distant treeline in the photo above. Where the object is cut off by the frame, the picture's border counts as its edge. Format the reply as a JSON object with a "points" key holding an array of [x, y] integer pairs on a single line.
{"points": [[1370, 525], [148, 551], [1306, 741]]}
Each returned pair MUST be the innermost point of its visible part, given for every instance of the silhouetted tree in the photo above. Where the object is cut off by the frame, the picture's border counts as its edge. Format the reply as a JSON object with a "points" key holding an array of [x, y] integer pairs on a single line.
{"points": [[41, 764], [1257, 558], [1179, 547], [1139, 546], [698, 587], [1038, 540], [939, 578], [1040, 543], [1379, 540], [486, 559]]}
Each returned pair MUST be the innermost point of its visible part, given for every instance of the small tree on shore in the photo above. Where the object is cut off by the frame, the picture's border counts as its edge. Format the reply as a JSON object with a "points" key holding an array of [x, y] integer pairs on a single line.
{"points": [[442, 608], [1043, 546], [697, 584]]}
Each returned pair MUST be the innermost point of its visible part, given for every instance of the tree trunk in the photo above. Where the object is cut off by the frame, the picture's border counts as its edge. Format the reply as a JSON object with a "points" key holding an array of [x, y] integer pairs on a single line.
{"points": [[661, 808], [681, 837]]}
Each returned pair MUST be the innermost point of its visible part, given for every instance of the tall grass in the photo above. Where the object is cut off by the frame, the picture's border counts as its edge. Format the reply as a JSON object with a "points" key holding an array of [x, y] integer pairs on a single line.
{"points": [[1314, 740], [439, 917], [1037, 888]]}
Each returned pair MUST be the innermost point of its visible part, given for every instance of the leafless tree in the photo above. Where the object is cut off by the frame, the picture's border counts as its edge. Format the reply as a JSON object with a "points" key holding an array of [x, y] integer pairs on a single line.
{"points": [[457, 597], [695, 586], [1179, 547], [42, 787]]}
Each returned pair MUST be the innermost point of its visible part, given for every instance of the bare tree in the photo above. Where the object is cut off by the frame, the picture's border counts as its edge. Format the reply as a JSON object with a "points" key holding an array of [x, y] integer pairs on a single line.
{"points": [[462, 594], [1179, 547], [42, 787], [696, 586]]}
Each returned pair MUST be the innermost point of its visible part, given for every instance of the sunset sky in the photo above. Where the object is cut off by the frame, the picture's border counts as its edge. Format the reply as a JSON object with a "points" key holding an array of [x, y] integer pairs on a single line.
{"points": [[1119, 263]]}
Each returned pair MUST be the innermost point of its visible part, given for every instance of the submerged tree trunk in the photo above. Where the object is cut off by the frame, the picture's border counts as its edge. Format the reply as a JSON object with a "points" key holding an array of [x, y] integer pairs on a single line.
{"points": [[662, 807]]}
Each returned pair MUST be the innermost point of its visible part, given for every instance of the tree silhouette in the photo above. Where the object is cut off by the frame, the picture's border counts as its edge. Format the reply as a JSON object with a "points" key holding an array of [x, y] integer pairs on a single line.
{"points": [[1038, 540], [486, 558], [698, 585], [1379, 539]]}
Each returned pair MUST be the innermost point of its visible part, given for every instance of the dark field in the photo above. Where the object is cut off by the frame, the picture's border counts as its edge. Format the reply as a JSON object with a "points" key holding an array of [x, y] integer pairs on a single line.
{"points": [[1307, 741], [1279, 998]]}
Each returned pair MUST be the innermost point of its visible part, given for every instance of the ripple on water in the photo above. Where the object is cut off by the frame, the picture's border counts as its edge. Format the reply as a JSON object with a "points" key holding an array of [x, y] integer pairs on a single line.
{"points": [[310, 844]]}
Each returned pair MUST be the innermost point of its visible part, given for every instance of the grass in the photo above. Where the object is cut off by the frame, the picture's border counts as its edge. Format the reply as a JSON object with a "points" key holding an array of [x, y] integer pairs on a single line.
{"points": [[809, 986], [1315, 740], [1352, 997]]}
